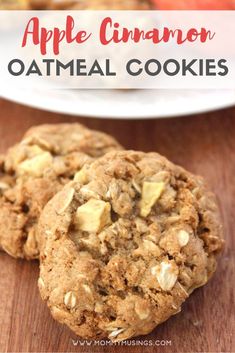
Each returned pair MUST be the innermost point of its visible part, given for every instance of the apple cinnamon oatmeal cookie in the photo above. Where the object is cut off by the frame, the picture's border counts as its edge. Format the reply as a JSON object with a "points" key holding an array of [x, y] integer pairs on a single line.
{"points": [[76, 4], [13, 4], [34, 170], [113, 5], [125, 243]]}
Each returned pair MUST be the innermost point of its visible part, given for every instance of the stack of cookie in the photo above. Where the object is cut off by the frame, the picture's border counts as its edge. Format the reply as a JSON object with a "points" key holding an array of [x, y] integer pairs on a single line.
{"points": [[123, 237]]}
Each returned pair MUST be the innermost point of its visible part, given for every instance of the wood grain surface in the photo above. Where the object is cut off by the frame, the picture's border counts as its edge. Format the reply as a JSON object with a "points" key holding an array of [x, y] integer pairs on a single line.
{"points": [[204, 144]]}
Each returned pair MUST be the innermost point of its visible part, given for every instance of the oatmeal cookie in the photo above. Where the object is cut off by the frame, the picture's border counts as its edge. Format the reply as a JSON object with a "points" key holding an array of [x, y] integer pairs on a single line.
{"points": [[75, 4], [113, 5], [34, 170], [125, 243], [13, 4]]}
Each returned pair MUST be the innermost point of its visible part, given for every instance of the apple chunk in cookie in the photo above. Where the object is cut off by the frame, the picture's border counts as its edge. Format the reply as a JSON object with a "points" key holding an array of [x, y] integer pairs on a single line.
{"points": [[137, 236]]}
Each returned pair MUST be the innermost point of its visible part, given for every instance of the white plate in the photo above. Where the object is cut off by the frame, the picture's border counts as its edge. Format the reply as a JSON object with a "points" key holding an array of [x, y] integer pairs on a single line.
{"points": [[124, 104]]}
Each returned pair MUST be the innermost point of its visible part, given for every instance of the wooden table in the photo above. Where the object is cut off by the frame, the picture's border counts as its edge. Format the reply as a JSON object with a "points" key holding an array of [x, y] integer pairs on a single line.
{"points": [[205, 144]]}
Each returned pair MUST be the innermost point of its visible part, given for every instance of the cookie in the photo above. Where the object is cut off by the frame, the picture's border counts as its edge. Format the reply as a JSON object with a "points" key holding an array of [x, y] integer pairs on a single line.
{"points": [[113, 5], [34, 170], [125, 244], [13, 5], [75, 4]]}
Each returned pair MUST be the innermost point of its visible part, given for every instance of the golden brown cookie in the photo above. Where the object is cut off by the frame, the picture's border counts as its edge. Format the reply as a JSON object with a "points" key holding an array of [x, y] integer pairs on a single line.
{"points": [[13, 4], [113, 5], [34, 170], [75, 4], [124, 245]]}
